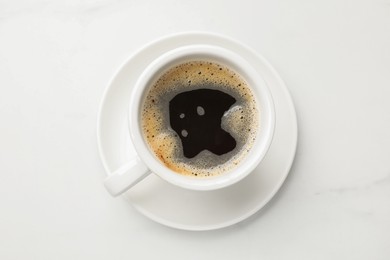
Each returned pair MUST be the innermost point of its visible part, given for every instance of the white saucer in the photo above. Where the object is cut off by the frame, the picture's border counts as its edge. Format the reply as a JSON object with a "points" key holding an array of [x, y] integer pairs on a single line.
{"points": [[186, 209]]}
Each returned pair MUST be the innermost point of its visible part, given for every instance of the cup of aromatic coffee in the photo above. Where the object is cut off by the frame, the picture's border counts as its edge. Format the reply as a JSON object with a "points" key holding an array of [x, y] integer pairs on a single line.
{"points": [[200, 117]]}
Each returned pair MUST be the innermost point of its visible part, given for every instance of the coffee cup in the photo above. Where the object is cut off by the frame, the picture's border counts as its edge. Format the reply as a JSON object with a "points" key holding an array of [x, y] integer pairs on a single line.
{"points": [[200, 117]]}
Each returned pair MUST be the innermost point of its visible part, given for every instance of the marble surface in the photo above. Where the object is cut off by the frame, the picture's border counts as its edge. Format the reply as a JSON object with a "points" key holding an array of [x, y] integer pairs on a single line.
{"points": [[56, 59]]}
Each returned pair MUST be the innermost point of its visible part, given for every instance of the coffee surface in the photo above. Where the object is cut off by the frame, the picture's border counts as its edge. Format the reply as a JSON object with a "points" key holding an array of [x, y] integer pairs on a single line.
{"points": [[200, 118]]}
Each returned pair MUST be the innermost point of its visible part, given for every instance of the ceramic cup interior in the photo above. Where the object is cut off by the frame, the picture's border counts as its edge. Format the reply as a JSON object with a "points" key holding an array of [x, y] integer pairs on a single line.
{"points": [[258, 87]]}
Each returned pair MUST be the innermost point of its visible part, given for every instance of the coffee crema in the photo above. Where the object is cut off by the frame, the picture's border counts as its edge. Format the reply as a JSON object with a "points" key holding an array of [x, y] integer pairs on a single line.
{"points": [[200, 118]]}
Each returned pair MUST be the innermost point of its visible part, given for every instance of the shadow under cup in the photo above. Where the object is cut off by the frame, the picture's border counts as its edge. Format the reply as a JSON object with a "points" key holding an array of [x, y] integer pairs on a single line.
{"points": [[141, 95]]}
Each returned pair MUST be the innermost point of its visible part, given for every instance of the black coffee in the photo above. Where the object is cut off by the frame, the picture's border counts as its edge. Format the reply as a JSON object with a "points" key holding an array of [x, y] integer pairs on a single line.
{"points": [[200, 118], [196, 117]]}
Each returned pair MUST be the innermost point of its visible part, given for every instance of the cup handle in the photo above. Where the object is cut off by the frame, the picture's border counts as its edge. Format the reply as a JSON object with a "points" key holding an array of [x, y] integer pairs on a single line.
{"points": [[126, 176]]}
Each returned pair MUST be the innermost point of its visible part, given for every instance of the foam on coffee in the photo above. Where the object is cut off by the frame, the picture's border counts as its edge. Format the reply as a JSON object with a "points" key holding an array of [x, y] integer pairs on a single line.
{"points": [[241, 120]]}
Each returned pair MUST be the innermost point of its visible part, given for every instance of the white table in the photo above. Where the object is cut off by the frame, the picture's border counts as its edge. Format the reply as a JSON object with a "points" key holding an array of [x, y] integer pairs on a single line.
{"points": [[56, 59]]}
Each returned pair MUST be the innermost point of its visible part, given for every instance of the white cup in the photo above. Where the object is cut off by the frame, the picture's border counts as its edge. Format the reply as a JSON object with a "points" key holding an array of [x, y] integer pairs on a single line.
{"points": [[146, 162]]}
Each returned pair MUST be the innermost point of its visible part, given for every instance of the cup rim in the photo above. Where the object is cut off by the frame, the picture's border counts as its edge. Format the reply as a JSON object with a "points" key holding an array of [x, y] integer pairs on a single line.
{"points": [[256, 83]]}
